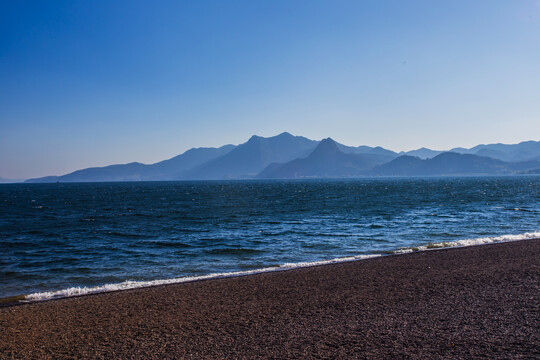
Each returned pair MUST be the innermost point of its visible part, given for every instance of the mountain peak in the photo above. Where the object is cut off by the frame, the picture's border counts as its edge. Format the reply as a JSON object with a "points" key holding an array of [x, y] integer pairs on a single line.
{"points": [[326, 146], [328, 140], [280, 136], [255, 138], [285, 134]]}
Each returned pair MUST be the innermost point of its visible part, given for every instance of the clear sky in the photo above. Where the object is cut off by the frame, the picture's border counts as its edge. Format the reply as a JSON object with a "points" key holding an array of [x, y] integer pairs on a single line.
{"points": [[92, 83]]}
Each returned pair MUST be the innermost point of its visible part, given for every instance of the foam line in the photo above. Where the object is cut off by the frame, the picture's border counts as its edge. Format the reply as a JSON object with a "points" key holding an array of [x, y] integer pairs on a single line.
{"points": [[470, 242], [126, 285]]}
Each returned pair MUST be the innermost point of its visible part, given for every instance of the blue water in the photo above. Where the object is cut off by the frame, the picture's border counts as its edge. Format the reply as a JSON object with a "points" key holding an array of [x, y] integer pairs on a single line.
{"points": [[55, 236]]}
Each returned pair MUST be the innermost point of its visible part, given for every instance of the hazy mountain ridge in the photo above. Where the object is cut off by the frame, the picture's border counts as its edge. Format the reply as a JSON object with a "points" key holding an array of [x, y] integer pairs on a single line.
{"points": [[163, 170], [446, 163], [524, 151], [423, 153], [250, 158], [327, 160], [288, 156], [331, 162]]}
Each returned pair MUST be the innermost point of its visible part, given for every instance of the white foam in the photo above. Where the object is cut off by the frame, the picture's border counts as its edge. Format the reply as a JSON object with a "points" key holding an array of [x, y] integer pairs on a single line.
{"points": [[471, 242], [126, 285]]}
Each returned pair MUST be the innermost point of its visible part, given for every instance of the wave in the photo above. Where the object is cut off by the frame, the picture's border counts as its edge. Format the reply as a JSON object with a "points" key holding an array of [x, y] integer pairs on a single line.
{"points": [[127, 285], [470, 242]]}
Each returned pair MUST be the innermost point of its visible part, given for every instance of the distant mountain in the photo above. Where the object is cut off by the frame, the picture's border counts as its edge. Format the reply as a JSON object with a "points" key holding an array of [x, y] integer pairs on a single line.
{"points": [[382, 151], [381, 154], [45, 179], [164, 170], [525, 167], [405, 165], [326, 160], [524, 151], [363, 149], [124, 172], [447, 163], [288, 156], [179, 165], [423, 153], [248, 159]]}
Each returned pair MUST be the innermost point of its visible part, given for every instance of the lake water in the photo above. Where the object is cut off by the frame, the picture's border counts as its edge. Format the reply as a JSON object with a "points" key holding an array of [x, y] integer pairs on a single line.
{"points": [[59, 236]]}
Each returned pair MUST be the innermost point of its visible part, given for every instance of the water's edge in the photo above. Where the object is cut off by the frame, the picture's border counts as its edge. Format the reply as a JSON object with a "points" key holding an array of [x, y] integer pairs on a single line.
{"points": [[128, 285]]}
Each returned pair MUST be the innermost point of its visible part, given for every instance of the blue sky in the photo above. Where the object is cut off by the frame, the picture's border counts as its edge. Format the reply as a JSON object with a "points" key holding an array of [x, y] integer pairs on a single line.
{"points": [[91, 83]]}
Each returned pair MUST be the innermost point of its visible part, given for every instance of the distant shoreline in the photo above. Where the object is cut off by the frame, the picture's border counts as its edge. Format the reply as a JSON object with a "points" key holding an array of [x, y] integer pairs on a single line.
{"points": [[366, 177], [466, 302]]}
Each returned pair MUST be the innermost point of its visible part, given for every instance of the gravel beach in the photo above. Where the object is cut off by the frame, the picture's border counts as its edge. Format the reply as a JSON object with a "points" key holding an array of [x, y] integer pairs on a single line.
{"points": [[458, 303]]}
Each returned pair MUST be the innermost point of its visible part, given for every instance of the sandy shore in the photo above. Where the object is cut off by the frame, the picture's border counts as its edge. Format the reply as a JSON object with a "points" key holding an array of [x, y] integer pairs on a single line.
{"points": [[473, 302]]}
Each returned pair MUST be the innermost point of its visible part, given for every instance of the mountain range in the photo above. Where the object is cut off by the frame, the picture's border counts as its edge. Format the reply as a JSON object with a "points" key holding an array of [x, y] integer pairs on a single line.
{"points": [[248, 159], [288, 156], [326, 160]]}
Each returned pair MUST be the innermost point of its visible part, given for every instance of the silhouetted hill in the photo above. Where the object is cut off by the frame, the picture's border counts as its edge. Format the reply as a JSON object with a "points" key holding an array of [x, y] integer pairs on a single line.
{"points": [[524, 151], [248, 159], [326, 160], [288, 156], [175, 168], [383, 154], [528, 167], [164, 170], [122, 172], [447, 163], [405, 165], [423, 153], [44, 179]]}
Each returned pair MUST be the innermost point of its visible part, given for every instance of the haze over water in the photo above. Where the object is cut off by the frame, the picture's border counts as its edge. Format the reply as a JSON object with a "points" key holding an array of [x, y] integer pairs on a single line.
{"points": [[56, 236]]}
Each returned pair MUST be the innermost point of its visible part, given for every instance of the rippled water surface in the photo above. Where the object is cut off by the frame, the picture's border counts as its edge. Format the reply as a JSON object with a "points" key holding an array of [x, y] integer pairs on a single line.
{"points": [[54, 236]]}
